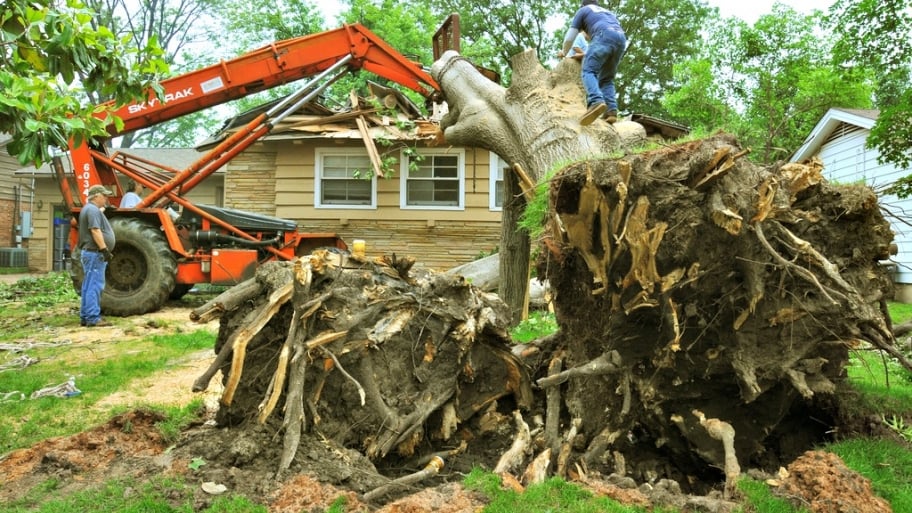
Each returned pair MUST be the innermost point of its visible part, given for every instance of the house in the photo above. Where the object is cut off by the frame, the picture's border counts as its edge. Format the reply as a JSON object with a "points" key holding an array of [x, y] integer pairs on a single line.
{"points": [[47, 242], [839, 141], [374, 172]]}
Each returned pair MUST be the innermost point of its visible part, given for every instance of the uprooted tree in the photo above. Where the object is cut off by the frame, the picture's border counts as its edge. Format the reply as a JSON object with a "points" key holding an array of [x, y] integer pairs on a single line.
{"points": [[707, 309]]}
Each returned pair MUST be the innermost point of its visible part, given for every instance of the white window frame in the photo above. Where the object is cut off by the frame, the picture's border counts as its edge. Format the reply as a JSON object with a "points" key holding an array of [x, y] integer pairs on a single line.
{"points": [[319, 155], [495, 172], [428, 152]]}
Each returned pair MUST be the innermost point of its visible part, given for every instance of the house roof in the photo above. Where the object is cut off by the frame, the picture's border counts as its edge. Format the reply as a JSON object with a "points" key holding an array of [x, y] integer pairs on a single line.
{"points": [[667, 129], [175, 158], [863, 118], [361, 117]]}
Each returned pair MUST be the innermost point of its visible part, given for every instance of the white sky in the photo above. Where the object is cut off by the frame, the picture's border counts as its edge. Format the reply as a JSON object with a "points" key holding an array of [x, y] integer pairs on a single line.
{"points": [[750, 10]]}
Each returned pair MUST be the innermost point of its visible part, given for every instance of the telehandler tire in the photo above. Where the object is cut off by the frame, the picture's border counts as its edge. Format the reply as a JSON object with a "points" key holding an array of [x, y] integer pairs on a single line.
{"points": [[140, 276]]}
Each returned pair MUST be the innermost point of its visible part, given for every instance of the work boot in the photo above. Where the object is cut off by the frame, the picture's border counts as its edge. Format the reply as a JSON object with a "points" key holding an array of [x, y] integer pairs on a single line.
{"points": [[611, 116], [592, 114]]}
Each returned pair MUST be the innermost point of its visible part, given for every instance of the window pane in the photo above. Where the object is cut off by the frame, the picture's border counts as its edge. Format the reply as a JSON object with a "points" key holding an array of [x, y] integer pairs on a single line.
{"points": [[338, 185], [498, 194]]}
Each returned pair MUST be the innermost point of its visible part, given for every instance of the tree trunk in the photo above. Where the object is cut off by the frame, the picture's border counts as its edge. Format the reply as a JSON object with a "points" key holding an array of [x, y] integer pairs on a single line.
{"points": [[693, 289], [514, 250]]}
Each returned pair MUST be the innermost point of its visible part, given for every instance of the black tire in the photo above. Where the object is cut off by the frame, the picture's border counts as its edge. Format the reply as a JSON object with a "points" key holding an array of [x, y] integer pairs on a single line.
{"points": [[140, 276], [180, 290]]}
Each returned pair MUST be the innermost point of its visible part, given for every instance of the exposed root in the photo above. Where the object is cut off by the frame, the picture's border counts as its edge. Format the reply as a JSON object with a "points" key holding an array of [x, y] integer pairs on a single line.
{"points": [[517, 451], [607, 363]]}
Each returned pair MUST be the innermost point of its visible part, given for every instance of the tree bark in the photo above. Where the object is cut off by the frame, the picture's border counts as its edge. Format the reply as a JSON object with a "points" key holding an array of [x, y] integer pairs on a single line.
{"points": [[514, 250]]}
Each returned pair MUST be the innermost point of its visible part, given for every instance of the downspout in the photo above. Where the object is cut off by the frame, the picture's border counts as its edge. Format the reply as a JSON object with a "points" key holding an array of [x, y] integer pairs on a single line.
{"points": [[16, 240]]}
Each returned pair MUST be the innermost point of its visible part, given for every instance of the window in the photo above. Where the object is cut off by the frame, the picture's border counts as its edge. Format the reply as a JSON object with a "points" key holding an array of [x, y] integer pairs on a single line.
{"points": [[344, 179], [433, 179], [496, 172]]}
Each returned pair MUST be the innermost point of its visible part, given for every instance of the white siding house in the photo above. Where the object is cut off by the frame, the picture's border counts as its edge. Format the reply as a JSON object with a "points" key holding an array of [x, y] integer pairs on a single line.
{"points": [[839, 141]]}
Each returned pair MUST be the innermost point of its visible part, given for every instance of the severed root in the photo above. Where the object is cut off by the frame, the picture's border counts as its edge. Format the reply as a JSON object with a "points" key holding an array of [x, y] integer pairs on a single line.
{"points": [[723, 431], [517, 452], [563, 457], [227, 301], [431, 469], [537, 471], [608, 363], [553, 402], [253, 323]]}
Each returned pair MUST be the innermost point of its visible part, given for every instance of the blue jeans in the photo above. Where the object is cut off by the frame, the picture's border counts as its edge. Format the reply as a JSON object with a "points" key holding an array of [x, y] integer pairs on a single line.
{"points": [[600, 66], [93, 283]]}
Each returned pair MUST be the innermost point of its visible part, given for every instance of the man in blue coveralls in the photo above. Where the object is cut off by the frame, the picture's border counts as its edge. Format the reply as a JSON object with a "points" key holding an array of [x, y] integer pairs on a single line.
{"points": [[607, 43]]}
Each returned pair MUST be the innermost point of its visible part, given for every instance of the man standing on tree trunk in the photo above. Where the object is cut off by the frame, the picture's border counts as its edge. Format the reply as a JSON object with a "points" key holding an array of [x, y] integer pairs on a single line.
{"points": [[606, 47]]}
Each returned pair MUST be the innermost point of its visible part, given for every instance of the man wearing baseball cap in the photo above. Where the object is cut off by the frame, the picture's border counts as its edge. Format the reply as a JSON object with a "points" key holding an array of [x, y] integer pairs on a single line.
{"points": [[96, 241]]}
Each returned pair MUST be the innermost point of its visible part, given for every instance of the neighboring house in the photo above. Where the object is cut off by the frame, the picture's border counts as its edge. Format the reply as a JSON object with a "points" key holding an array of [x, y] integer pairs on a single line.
{"points": [[47, 245], [839, 140], [15, 210], [439, 204]]}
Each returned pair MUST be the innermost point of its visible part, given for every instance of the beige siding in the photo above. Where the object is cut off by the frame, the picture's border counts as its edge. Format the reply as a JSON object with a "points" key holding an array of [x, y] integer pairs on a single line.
{"points": [[436, 238], [442, 246], [250, 181]]}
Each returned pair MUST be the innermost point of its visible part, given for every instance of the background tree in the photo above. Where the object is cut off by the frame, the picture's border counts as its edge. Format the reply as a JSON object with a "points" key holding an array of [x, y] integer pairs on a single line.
{"points": [[696, 98], [180, 27], [775, 79], [50, 56], [494, 31], [660, 34], [878, 36], [406, 26]]}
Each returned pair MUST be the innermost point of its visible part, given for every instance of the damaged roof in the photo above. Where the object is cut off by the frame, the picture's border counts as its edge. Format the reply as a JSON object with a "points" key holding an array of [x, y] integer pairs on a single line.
{"points": [[385, 114]]}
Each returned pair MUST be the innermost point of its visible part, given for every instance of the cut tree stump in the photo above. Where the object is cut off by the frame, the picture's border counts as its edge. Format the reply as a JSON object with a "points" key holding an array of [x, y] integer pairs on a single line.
{"points": [[365, 354]]}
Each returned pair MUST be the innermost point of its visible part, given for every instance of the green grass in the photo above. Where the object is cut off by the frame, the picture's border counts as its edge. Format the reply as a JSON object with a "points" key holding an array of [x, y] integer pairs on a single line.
{"points": [[23, 423], [539, 324], [885, 386], [552, 496], [160, 495], [887, 464], [899, 312], [761, 498]]}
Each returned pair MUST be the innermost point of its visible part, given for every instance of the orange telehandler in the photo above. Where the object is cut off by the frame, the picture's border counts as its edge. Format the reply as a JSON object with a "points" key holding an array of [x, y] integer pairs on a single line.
{"points": [[160, 254]]}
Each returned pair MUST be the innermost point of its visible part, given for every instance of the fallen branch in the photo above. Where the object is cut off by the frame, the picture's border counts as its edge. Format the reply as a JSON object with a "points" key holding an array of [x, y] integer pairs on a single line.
{"points": [[564, 455], [553, 406], [294, 421], [537, 471]]}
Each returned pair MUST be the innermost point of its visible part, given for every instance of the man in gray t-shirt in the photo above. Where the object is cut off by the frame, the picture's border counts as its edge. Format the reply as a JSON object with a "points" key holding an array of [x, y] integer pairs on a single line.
{"points": [[96, 241]]}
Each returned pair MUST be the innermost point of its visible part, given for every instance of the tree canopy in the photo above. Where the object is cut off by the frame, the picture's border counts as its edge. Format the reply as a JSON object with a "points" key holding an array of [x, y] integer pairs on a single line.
{"points": [[769, 82], [877, 35], [51, 56]]}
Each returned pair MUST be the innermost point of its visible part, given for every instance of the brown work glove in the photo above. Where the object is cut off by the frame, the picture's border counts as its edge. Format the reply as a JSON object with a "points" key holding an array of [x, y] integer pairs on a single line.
{"points": [[107, 255]]}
